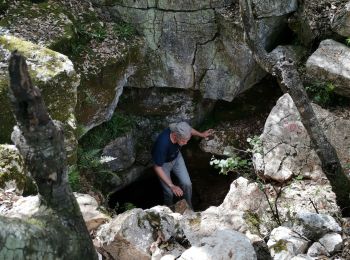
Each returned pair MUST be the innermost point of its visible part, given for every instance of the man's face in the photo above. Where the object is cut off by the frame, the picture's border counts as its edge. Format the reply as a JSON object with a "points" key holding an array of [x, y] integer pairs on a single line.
{"points": [[181, 141]]}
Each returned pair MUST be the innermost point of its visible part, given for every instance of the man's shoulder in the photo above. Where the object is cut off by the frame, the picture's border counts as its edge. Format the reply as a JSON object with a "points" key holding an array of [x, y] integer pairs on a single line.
{"points": [[164, 135]]}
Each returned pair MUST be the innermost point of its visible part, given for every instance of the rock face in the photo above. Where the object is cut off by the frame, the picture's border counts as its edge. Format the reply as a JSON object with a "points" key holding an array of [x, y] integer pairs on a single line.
{"points": [[330, 64], [137, 234], [285, 243], [223, 244], [12, 172], [198, 44], [120, 153], [26, 207], [274, 7], [286, 144], [89, 208], [54, 74], [341, 22], [313, 19]]}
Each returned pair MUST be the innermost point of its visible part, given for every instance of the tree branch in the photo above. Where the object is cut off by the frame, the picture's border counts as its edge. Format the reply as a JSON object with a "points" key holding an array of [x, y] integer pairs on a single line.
{"points": [[284, 70], [40, 140]]}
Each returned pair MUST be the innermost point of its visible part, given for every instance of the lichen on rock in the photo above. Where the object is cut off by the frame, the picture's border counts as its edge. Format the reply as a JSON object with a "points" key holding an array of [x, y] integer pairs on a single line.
{"points": [[53, 73]]}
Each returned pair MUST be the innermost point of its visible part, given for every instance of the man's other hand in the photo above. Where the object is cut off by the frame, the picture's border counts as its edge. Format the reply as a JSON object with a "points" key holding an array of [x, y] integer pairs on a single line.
{"points": [[176, 190]]}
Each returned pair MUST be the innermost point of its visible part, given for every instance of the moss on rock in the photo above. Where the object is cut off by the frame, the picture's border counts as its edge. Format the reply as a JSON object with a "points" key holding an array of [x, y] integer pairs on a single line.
{"points": [[53, 73], [43, 23], [12, 168]]}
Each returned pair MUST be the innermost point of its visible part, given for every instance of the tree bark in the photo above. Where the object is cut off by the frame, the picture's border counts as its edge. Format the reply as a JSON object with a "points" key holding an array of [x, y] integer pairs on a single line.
{"points": [[284, 69], [40, 141]]}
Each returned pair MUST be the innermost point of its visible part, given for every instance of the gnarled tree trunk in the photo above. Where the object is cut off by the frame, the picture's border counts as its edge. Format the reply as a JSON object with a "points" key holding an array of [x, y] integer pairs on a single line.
{"points": [[284, 70], [58, 230]]}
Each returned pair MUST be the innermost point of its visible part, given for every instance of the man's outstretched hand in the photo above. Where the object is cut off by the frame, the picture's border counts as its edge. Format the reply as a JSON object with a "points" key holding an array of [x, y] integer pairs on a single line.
{"points": [[207, 133]]}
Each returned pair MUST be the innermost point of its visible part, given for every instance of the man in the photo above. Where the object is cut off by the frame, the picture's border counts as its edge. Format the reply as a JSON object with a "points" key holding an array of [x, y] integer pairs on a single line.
{"points": [[167, 157]]}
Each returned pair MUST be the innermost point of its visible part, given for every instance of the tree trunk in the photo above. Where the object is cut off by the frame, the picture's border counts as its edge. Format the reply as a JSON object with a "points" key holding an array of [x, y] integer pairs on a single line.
{"points": [[58, 230], [284, 70]]}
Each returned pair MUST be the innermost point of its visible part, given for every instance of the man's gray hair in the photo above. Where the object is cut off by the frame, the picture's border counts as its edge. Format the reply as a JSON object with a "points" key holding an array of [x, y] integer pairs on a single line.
{"points": [[181, 129]]}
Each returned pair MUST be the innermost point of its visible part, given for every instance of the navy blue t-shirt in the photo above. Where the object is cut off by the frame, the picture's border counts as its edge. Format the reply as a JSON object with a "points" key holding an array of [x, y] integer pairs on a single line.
{"points": [[164, 150]]}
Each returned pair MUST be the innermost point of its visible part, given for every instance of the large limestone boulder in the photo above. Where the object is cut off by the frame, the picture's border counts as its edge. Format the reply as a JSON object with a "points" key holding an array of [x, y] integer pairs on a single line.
{"points": [[131, 234], [54, 74], [341, 22], [186, 50], [157, 232], [289, 242], [286, 145], [27, 207], [222, 244], [330, 64], [274, 7], [284, 243]]}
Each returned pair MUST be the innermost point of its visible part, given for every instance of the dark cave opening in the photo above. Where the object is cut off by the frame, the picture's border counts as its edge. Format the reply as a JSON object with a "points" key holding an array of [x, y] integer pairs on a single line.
{"points": [[247, 113]]}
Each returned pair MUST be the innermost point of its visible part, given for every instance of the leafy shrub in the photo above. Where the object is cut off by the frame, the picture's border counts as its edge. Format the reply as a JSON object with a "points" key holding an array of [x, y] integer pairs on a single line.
{"points": [[231, 164], [74, 178], [124, 30], [321, 93]]}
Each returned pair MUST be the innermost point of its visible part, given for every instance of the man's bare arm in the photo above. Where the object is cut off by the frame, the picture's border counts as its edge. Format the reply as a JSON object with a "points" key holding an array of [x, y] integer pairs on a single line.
{"points": [[161, 174], [202, 134]]}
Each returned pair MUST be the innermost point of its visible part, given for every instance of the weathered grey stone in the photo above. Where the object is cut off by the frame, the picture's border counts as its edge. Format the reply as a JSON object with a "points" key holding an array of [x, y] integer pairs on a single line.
{"points": [[314, 226], [222, 244], [181, 5], [332, 242], [187, 51], [330, 64], [267, 8], [218, 144], [89, 208], [284, 242], [12, 170], [341, 22], [54, 74], [298, 195], [24, 207], [313, 20], [302, 257], [51, 26], [131, 234], [294, 52], [286, 144], [27, 207], [124, 178], [101, 94], [316, 249], [120, 153]]}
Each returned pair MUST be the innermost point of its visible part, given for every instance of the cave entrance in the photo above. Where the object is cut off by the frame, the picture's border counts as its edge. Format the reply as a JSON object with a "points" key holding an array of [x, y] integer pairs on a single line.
{"points": [[209, 187], [245, 115]]}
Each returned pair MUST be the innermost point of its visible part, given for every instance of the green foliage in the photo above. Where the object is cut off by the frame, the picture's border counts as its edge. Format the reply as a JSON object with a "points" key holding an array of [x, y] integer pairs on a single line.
{"points": [[321, 93], [299, 177], [124, 30], [74, 178], [235, 163], [347, 41], [89, 98], [255, 145], [90, 163], [232, 164], [89, 159], [100, 136]]}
